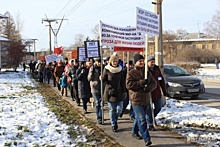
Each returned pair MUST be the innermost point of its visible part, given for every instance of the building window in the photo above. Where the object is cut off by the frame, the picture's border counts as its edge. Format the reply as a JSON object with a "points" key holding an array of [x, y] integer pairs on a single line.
{"points": [[203, 46], [214, 46], [194, 46]]}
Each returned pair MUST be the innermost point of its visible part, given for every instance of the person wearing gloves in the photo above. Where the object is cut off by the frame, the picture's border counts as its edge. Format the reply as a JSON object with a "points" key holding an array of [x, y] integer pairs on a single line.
{"points": [[139, 94], [115, 90], [156, 93]]}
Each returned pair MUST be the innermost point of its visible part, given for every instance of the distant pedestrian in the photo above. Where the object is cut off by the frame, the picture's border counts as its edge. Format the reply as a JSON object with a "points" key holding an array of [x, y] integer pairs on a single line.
{"points": [[24, 66], [216, 63], [140, 91]]}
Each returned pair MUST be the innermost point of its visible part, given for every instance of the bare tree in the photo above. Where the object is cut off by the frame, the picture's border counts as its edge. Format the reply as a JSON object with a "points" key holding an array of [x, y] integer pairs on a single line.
{"points": [[169, 38], [213, 27], [95, 31], [78, 40]]}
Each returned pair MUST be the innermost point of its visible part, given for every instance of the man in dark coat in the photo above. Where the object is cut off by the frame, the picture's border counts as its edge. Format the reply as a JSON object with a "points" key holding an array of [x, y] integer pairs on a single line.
{"points": [[156, 93], [95, 84], [74, 81], [58, 71], [83, 84], [139, 92]]}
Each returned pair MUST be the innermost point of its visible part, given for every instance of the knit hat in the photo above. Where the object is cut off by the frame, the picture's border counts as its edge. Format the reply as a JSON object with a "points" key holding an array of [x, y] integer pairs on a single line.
{"points": [[113, 58], [98, 59], [138, 57], [150, 57]]}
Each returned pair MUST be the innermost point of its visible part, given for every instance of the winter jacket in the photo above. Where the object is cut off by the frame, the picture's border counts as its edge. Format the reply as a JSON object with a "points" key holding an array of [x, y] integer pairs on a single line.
{"points": [[72, 74], [84, 90], [63, 82], [134, 83], [156, 73], [59, 69], [113, 78], [93, 78]]}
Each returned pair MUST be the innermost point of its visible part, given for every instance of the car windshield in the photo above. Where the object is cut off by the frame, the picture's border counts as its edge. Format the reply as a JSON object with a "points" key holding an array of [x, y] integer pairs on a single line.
{"points": [[172, 70]]}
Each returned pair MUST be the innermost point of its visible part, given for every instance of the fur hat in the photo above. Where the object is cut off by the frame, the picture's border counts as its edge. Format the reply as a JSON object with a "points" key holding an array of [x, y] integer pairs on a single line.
{"points": [[138, 57], [150, 57]]}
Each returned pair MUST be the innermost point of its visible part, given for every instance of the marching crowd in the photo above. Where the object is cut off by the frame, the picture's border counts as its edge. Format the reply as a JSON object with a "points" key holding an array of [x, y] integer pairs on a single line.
{"points": [[121, 85]]}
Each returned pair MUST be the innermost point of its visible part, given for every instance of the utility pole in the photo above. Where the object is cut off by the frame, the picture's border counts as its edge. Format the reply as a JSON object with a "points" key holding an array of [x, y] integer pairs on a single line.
{"points": [[159, 40], [34, 48], [49, 21]]}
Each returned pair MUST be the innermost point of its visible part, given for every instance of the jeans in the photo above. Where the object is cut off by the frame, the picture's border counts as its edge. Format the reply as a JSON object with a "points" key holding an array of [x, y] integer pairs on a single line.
{"points": [[217, 65], [157, 107], [140, 123], [40, 76], [98, 105], [114, 111]]}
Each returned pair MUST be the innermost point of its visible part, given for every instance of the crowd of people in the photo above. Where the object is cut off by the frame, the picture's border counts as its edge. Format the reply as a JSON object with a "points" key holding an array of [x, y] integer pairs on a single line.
{"points": [[121, 84]]}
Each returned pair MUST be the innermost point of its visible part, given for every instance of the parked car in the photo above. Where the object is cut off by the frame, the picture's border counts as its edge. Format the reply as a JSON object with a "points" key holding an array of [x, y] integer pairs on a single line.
{"points": [[181, 84]]}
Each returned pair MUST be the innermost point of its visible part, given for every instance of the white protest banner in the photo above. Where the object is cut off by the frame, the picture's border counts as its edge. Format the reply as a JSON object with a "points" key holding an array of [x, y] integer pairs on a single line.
{"points": [[92, 49], [81, 53], [120, 36], [59, 58], [51, 58], [147, 22]]}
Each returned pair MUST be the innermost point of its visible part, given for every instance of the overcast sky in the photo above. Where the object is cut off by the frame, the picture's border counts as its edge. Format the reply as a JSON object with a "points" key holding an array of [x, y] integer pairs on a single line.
{"points": [[83, 15]]}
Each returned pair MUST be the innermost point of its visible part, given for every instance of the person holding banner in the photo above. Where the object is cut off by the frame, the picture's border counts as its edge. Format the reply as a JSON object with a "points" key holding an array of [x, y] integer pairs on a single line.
{"points": [[95, 84], [139, 92], [115, 90], [83, 83], [156, 93]]}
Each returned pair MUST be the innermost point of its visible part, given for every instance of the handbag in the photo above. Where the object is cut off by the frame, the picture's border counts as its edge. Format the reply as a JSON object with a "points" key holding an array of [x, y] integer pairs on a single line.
{"points": [[114, 91]]}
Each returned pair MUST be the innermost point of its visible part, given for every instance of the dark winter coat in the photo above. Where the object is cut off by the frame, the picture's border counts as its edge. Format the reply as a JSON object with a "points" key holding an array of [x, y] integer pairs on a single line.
{"points": [[134, 83], [72, 74], [113, 78], [83, 83], [93, 78], [156, 73]]}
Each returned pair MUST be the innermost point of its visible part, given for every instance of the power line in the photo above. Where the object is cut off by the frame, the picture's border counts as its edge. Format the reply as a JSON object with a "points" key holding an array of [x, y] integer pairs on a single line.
{"points": [[64, 7], [75, 7]]}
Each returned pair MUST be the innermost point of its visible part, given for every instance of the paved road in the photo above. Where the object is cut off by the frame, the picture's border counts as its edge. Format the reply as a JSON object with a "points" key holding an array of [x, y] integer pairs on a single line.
{"points": [[211, 97]]}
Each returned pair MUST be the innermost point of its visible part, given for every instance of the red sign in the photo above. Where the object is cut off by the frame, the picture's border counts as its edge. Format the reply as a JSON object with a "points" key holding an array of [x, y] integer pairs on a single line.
{"points": [[74, 54], [127, 49]]}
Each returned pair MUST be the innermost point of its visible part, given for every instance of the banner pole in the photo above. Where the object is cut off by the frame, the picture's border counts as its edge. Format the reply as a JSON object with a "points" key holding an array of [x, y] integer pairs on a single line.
{"points": [[146, 73], [102, 103]]}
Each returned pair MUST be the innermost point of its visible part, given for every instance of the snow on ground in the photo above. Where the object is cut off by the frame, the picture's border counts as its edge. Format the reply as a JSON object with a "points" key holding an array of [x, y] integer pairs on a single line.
{"points": [[25, 119], [209, 72]]}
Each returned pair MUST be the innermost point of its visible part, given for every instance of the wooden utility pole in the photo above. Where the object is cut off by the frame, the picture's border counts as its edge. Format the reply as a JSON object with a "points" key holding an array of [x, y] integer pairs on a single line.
{"points": [[159, 40]]}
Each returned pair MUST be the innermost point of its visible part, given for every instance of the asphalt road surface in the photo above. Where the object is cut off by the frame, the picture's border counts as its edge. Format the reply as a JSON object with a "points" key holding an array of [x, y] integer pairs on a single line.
{"points": [[211, 97]]}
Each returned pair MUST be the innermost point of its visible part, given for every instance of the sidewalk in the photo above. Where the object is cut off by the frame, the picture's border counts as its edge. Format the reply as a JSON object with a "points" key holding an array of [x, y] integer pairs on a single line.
{"points": [[160, 138]]}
